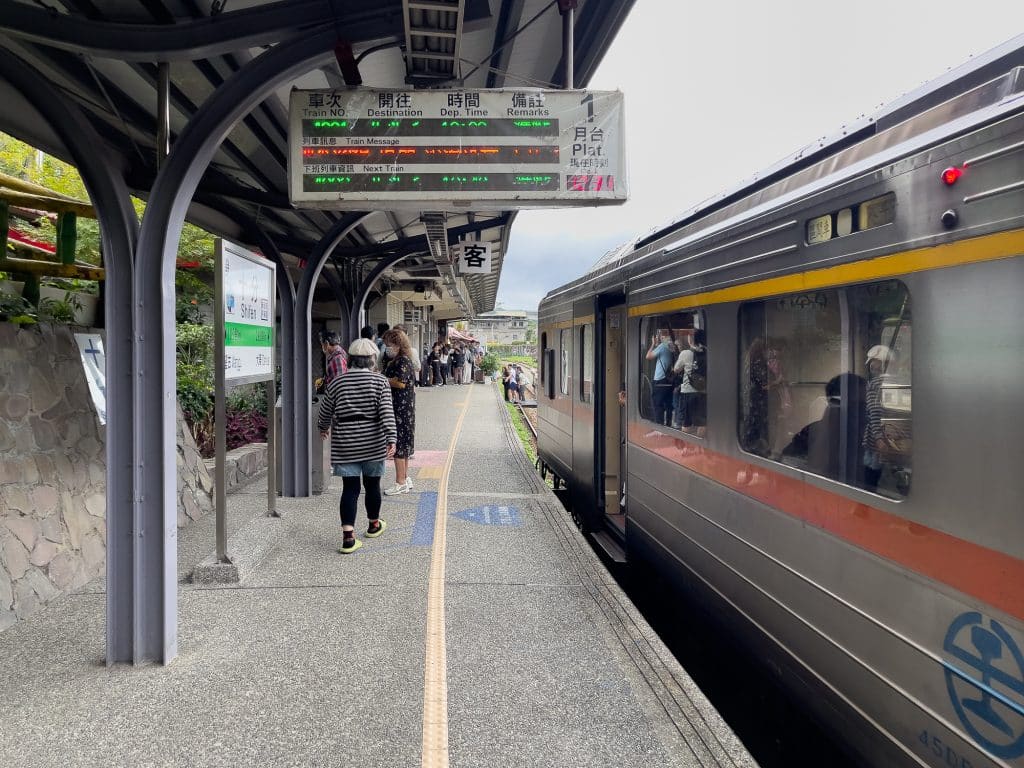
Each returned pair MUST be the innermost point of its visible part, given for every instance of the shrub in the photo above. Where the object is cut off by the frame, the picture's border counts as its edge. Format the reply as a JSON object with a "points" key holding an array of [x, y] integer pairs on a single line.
{"points": [[15, 309], [244, 427], [489, 363], [60, 310]]}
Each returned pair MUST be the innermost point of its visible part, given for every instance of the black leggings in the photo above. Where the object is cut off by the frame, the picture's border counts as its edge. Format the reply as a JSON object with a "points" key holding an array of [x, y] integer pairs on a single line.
{"points": [[350, 495]]}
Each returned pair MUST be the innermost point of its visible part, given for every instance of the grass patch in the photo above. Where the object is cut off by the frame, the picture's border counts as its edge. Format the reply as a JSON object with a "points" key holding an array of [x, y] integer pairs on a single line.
{"points": [[523, 431]]}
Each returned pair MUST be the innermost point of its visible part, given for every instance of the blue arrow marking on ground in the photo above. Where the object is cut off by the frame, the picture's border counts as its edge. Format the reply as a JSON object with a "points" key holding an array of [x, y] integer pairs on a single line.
{"points": [[490, 515], [423, 529]]}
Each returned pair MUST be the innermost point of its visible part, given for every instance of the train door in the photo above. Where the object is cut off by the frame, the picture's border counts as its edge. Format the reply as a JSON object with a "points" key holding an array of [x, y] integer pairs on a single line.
{"points": [[586, 498], [609, 447]]}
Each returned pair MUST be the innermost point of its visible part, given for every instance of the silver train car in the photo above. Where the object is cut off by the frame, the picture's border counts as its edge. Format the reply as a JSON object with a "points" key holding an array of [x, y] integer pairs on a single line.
{"points": [[804, 401]]}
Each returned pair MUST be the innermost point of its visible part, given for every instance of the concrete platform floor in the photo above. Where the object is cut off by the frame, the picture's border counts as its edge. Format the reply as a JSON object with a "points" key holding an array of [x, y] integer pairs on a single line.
{"points": [[318, 659]]}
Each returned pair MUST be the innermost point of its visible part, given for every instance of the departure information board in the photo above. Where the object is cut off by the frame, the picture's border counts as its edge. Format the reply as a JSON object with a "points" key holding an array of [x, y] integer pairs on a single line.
{"points": [[429, 150]]}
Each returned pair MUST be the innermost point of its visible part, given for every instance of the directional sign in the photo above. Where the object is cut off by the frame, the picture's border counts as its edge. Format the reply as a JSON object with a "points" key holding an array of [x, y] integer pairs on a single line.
{"points": [[490, 515], [247, 282], [453, 150]]}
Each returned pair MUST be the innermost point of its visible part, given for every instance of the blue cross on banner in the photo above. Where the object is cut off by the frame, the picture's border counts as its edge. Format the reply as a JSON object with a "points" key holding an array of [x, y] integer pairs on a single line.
{"points": [[491, 515], [94, 361]]}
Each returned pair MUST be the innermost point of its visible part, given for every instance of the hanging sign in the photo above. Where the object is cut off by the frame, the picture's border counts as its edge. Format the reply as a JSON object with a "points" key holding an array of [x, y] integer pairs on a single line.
{"points": [[432, 150], [474, 258]]}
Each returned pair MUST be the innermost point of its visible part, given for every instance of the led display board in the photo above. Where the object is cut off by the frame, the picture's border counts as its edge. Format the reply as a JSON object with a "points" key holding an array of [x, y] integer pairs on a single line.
{"points": [[500, 149]]}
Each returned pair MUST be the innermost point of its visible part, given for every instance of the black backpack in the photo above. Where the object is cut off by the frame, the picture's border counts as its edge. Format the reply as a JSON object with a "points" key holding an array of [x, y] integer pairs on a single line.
{"points": [[698, 371]]}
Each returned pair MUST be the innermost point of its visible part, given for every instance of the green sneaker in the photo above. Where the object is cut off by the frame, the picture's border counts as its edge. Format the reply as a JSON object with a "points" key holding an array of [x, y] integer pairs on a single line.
{"points": [[376, 530], [349, 548]]}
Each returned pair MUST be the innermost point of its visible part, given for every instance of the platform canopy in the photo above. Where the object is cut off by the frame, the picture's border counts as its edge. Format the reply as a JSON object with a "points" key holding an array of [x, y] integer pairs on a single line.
{"points": [[106, 56]]}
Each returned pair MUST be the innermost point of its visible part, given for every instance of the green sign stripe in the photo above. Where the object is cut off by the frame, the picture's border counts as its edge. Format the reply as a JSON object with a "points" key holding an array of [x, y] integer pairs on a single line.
{"points": [[242, 335]]}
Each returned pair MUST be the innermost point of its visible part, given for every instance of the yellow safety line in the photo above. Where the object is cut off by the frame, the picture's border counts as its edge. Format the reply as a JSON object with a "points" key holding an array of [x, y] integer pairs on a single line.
{"points": [[435, 678]]}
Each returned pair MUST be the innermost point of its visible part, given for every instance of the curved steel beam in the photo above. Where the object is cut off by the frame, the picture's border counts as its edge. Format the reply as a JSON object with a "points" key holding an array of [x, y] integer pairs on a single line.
{"points": [[344, 305], [129, 638], [363, 291], [155, 468], [199, 39], [302, 351]]}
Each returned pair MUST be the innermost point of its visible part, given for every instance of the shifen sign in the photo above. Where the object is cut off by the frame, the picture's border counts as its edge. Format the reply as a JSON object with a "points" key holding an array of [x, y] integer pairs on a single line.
{"points": [[456, 150]]}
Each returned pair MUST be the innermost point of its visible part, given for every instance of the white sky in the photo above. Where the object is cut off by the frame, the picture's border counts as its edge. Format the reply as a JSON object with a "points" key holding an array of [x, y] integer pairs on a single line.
{"points": [[717, 91]]}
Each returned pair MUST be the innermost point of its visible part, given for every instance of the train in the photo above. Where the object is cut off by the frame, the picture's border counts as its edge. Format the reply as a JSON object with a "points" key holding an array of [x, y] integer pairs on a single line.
{"points": [[802, 401]]}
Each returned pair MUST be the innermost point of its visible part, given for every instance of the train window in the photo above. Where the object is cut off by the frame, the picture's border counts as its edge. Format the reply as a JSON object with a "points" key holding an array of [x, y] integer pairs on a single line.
{"points": [[565, 345], [673, 371], [542, 363], [587, 363], [825, 384]]}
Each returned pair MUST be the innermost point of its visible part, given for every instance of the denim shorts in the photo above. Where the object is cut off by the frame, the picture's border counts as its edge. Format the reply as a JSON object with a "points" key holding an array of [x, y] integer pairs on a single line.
{"points": [[359, 468]]}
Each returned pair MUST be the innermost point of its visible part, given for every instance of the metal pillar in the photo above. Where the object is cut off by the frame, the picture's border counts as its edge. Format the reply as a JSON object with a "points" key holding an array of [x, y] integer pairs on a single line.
{"points": [[341, 292], [301, 353], [568, 10], [155, 457], [126, 586], [356, 317]]}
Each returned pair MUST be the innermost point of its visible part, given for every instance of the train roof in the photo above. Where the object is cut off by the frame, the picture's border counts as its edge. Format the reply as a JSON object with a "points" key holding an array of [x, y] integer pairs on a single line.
{"points": [[1002, 62]]}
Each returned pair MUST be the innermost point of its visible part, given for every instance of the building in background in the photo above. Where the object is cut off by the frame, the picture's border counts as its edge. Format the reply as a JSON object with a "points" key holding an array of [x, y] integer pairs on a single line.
{"points": [[504, 326]]}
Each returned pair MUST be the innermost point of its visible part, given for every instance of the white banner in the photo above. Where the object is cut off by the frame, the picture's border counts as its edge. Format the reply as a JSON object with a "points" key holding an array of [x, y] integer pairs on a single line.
{"points": [[94, 360], [474, 258]]}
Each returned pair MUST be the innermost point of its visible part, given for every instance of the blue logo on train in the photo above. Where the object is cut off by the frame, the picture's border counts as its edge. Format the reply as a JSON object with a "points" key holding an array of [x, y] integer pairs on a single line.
{"points": [[985, 680]]}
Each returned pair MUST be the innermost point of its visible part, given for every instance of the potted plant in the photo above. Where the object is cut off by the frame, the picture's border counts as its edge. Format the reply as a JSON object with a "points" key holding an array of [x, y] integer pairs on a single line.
{"points": [[80, 295]]}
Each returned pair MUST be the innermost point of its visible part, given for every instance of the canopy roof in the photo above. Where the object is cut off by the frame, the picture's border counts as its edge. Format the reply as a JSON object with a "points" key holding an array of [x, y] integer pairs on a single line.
{"points": [[104, 56]]}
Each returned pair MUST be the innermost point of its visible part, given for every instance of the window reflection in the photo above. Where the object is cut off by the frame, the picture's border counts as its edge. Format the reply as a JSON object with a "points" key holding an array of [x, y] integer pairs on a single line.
{"points": [[825, 384]]}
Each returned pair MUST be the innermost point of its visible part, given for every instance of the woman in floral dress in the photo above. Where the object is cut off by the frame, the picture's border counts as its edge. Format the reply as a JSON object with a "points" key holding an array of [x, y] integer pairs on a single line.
{"points": [[401, 374]]}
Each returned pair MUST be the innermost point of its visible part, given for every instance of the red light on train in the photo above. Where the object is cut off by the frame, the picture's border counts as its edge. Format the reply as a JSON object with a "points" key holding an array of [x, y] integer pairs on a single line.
{"points": [[950, 175]]}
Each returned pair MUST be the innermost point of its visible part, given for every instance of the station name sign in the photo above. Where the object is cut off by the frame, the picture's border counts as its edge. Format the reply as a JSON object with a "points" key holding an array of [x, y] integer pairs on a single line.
{"points": [[500, 149]]}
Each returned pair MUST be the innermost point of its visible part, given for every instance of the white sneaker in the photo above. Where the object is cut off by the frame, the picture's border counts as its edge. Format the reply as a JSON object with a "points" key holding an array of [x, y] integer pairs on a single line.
{"points": [[408, 483], [396, 489]]}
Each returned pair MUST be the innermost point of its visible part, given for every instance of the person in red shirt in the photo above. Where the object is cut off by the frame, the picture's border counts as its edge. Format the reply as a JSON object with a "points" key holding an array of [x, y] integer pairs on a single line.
{"points": [[336, 361]]}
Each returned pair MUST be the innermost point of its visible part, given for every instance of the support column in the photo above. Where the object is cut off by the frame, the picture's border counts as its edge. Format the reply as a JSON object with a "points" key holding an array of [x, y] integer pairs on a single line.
{"points": [[127, 637], [301, 434], [155, 454]]}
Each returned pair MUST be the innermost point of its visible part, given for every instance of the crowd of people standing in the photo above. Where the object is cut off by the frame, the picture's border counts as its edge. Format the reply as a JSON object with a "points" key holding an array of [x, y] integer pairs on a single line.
{"points": [[451, 363]]}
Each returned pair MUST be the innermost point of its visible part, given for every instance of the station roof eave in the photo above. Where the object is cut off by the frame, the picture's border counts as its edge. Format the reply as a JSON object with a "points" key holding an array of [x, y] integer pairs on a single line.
{"points": [[104, 56]]}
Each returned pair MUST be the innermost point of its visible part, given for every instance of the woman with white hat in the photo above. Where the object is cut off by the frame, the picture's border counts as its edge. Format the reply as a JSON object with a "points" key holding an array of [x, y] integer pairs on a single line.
{"points": [[356, 411]]}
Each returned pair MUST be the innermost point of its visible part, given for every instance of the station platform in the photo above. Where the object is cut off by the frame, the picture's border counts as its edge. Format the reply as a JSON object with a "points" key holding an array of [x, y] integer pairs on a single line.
{"points": [[479, 631]]}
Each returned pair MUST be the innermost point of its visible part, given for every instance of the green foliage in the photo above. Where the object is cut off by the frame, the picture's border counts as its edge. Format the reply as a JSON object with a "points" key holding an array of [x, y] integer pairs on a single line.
{"points": [[26, 162], [489, 364], [15, 309], [73, 284], [195, 376], [60, 310], [192, 295], [248, 399]]}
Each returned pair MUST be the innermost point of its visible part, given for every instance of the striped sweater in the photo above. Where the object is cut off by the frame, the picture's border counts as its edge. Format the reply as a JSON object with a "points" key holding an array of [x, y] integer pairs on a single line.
{"points": [[357, 409]]}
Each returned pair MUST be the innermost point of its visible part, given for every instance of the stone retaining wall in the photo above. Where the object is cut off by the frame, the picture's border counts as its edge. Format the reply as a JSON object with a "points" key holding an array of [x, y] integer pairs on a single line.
{"points": [[53, 471], [241, 465]]}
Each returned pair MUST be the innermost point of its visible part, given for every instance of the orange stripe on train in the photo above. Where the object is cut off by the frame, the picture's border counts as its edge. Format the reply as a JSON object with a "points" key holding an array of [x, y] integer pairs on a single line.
{"points": [[978, 571]]}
